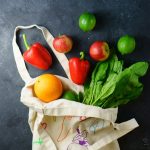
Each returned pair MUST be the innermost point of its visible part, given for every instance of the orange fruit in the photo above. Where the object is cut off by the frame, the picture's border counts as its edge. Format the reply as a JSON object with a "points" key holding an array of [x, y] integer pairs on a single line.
{"points": [[48, 87]]}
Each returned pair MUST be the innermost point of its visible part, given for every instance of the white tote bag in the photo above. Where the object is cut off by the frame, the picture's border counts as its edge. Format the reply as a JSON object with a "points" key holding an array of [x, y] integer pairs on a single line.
{"points": [[64, 124]]}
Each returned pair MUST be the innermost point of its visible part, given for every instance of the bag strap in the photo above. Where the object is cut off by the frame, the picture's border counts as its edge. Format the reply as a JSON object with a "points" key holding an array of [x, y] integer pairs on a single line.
{"points": [[19, 58], [119, 131]]}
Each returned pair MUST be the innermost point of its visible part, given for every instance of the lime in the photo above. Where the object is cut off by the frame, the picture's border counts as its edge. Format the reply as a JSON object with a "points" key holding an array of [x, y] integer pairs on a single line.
{"points": [[87, 21], [126, 44], [70, 95]]}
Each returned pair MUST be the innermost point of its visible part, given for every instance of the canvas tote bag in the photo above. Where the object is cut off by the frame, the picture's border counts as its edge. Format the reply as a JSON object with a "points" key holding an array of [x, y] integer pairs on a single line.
{"points": [[64, 124]]}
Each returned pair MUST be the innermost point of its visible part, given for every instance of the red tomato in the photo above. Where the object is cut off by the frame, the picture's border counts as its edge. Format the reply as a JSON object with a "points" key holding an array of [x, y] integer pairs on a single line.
{"points": [[99, 51], [62, 44]]}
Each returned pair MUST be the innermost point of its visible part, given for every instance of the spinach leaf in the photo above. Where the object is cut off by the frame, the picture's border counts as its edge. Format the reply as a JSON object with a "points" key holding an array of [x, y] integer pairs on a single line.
{"points": [[128, 87], [99, 76], [111, 86]]}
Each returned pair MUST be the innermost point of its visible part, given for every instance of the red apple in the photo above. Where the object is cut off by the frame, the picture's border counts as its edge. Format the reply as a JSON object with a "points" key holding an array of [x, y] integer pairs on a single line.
{"points": [[99, 51], [62, 43]]}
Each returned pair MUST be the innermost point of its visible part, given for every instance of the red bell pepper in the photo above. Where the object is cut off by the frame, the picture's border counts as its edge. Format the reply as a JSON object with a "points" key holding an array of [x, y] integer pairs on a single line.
{"points": [[79, 69], [37, 55]]}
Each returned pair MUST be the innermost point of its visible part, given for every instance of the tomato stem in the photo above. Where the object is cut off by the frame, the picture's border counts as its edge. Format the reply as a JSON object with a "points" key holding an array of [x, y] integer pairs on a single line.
{"points": [[25, 42], [82, 55]]}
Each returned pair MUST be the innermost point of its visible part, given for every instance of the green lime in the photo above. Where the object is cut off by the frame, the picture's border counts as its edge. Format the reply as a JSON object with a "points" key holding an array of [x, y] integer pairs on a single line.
{"points": [[126, 44], [87, 21], [70, 95]]}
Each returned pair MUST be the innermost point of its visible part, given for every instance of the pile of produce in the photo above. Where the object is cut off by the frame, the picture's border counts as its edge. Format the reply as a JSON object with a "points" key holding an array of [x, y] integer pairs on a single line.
{"points": [[109, 85]]}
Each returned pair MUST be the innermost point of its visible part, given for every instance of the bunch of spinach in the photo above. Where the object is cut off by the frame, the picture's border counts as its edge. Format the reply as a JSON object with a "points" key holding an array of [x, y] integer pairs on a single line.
{"points": [[111, 85]]}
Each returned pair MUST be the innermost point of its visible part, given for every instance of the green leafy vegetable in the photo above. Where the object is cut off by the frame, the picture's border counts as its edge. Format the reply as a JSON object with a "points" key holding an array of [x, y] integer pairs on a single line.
{"points": [[112, 86]]}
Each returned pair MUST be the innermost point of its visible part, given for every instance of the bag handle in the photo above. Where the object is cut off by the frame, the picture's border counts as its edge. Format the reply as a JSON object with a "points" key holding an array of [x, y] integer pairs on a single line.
{"points": [[19, 58], [119, 131]]}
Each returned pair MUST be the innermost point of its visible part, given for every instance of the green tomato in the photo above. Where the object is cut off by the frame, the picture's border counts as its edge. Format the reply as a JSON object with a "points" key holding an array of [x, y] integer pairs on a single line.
{"points": [[87, 21], [70, 95], [126, 44]]}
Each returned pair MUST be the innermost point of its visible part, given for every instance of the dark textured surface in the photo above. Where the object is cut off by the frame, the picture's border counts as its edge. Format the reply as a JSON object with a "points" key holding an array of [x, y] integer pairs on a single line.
{"points": [[115, 18]]}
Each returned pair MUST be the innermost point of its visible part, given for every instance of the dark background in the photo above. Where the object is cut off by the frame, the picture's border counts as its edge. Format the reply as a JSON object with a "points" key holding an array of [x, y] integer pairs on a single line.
{"points": [[114, 18]]}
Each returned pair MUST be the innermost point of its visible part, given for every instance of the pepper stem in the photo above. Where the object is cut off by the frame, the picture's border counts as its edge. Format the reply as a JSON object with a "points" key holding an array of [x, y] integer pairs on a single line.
{"points": [[82, 55], [25, 42]]}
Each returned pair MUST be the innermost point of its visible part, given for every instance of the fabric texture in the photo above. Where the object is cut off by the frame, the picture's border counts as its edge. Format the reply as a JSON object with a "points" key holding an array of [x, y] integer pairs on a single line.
{"points": [[63, 124]]}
